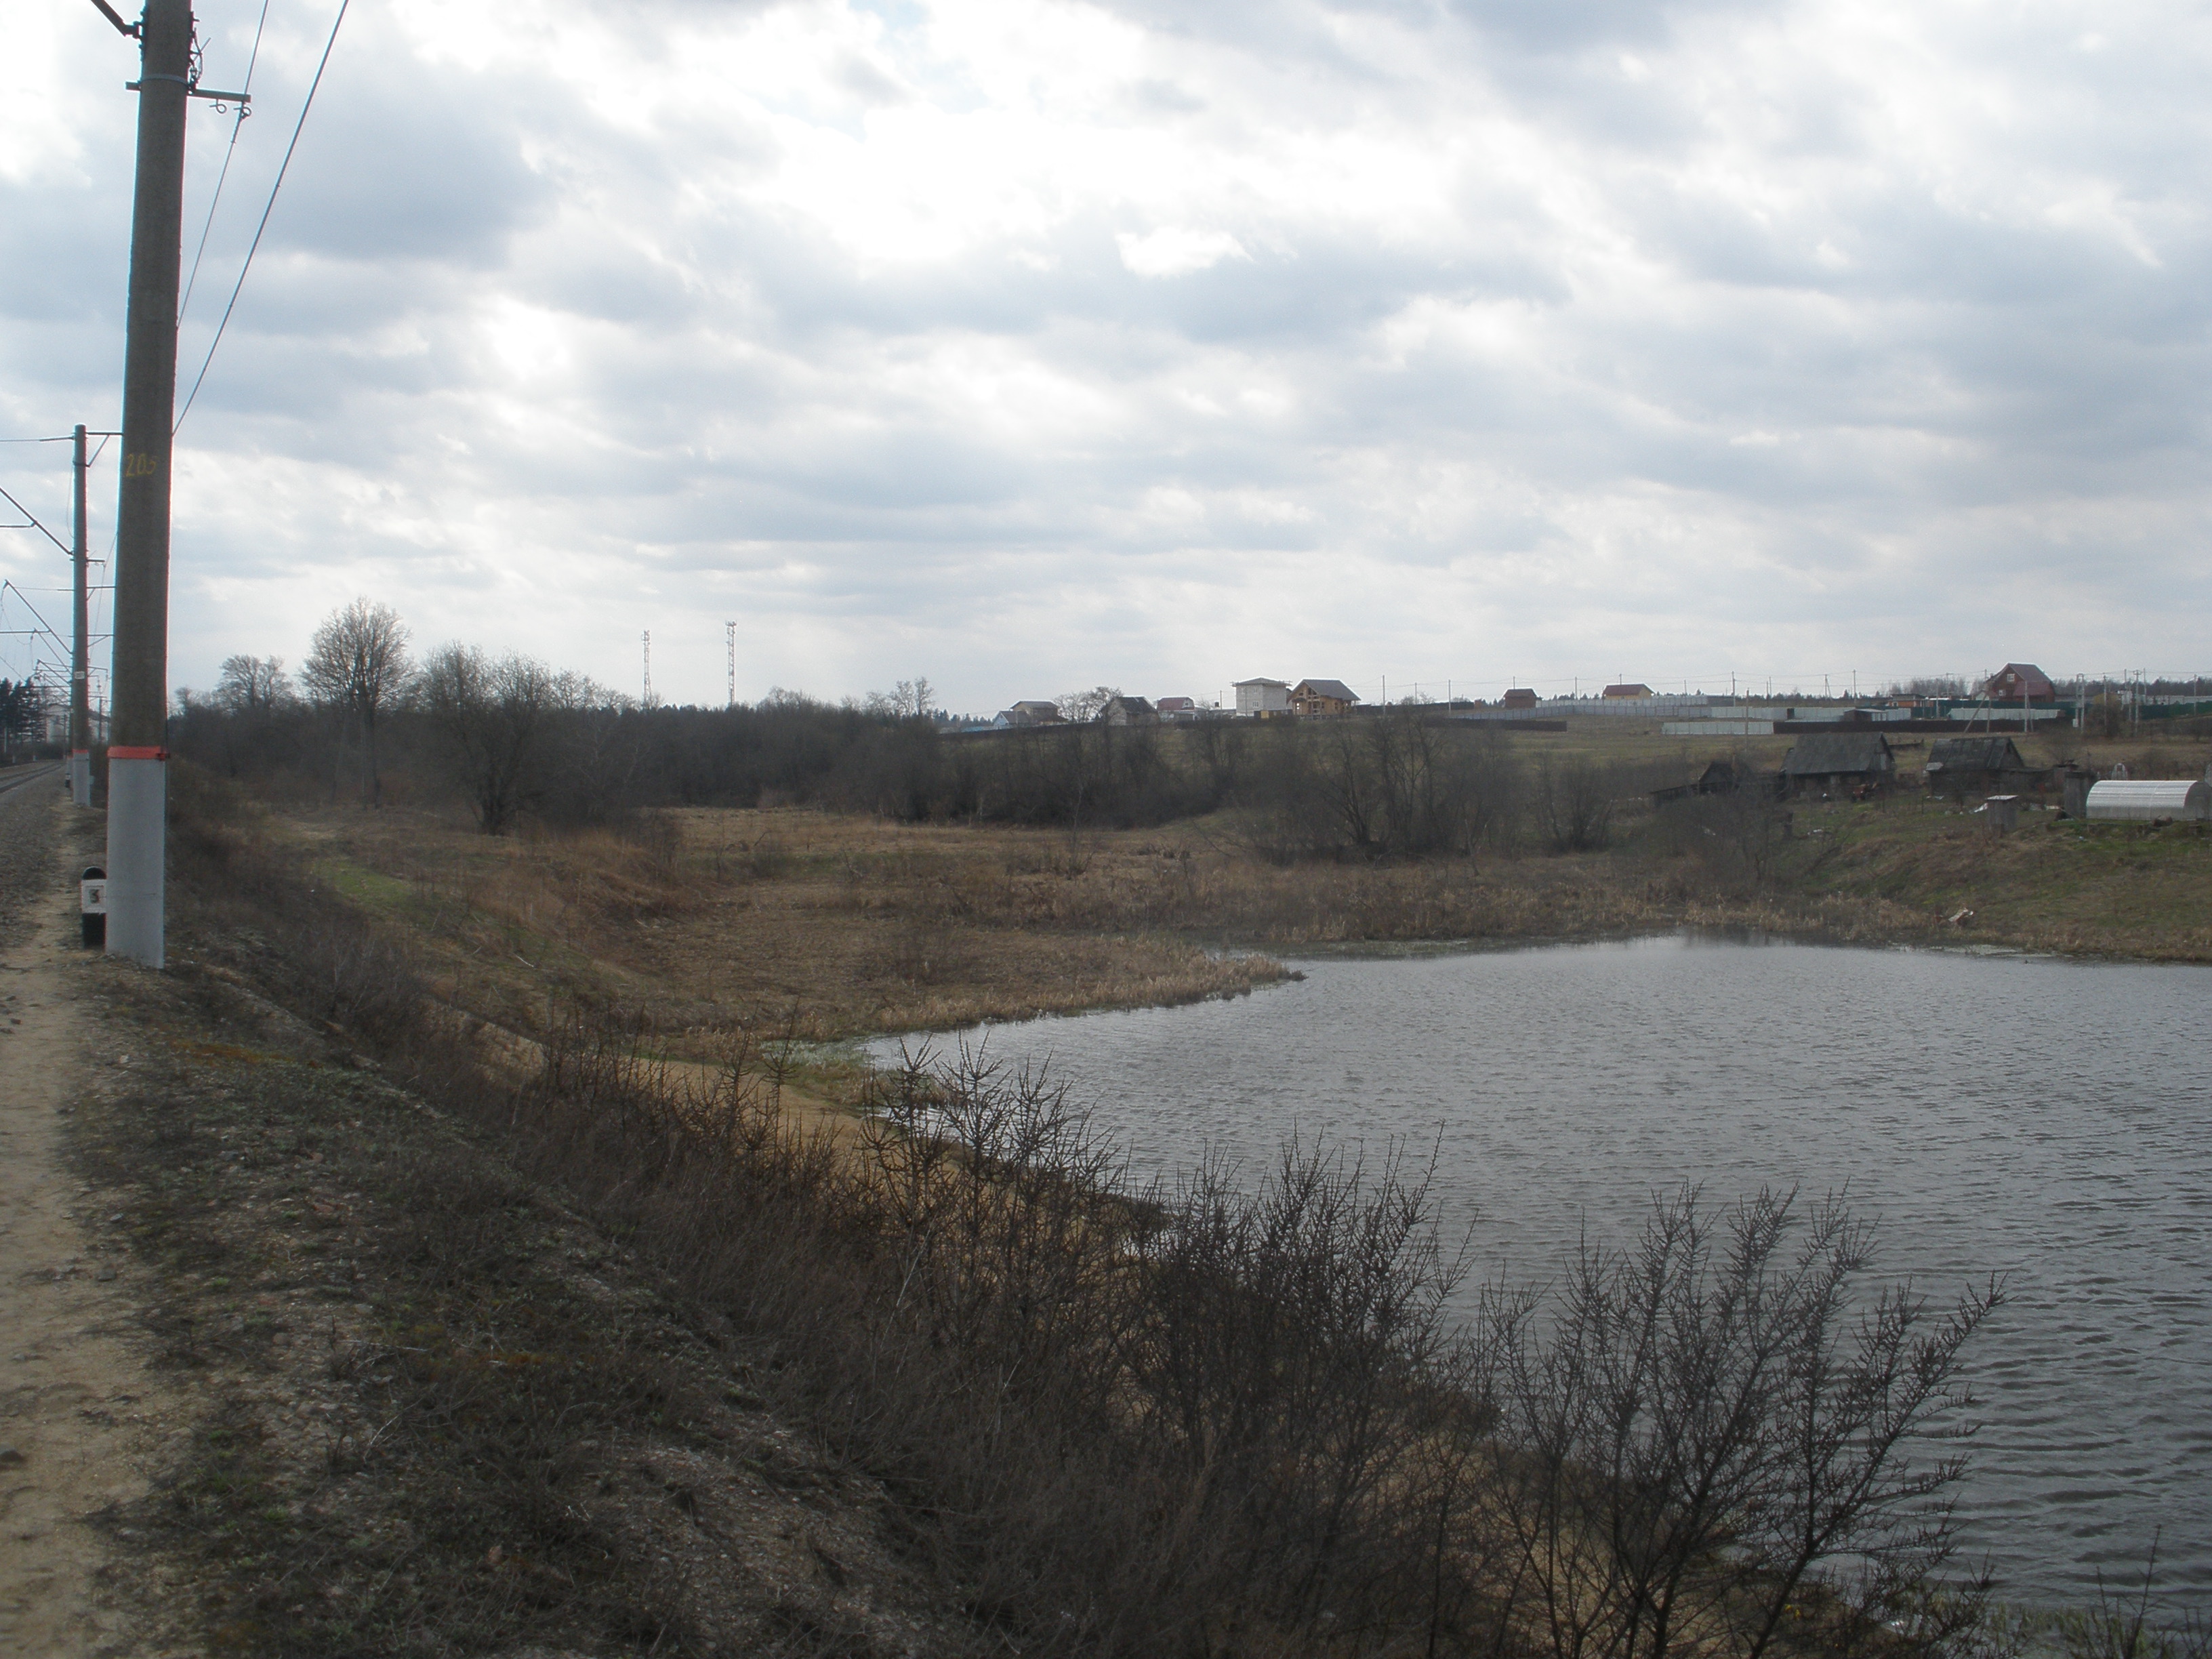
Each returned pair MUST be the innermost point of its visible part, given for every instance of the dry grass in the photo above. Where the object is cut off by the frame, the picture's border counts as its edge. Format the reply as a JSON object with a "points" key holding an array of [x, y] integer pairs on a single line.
{"points": [[826, 926], [704, 921]]}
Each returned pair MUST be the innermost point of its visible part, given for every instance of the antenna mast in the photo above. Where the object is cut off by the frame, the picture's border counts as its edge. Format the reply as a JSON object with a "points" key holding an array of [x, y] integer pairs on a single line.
{"points": [[647, 698], [730, 635]]}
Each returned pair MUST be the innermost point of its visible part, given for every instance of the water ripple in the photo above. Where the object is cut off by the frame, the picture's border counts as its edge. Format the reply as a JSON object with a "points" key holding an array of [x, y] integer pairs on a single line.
{"points": [[2049, 1120]]}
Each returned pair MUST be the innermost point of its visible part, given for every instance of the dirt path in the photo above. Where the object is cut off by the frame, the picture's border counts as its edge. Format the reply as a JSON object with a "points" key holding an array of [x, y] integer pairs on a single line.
{"points": [[77, 1405]]}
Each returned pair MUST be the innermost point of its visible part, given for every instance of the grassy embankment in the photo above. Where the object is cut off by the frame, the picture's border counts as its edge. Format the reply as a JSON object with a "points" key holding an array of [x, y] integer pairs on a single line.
{"points": [[698, 922], [581, 1360]]}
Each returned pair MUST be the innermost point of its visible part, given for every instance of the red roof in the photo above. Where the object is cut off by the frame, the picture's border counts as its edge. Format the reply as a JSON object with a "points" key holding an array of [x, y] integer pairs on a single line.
{"points": [[2016, 680]]}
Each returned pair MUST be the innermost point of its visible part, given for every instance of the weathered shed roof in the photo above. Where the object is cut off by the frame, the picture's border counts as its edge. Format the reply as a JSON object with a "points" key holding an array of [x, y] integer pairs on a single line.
{"points": [[1975, 755], [1839, 753], [1336, 688]]}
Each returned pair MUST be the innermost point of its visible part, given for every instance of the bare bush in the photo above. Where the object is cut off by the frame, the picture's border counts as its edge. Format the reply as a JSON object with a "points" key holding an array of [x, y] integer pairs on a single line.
{"points": [[1571, 803], [1710, 1439]]}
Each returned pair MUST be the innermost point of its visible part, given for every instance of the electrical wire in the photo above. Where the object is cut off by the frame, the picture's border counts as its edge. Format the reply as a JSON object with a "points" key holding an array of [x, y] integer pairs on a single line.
{"points": [[35, 524], [255, 246], [230, 149]]}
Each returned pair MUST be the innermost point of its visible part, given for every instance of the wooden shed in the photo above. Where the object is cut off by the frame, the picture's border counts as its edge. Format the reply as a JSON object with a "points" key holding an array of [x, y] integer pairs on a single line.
{"points": [[1854, 764], [1959, 767]]}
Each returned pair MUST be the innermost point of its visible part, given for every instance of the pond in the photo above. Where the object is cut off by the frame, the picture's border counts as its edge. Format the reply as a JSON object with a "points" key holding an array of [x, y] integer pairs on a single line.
{"points": [[2046, 1119]]}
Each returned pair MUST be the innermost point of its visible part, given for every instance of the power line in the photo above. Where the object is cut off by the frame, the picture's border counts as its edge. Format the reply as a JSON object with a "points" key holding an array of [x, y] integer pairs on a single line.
{"points": [[255, 246], [45, 627], [230, 149], [33, 524]]}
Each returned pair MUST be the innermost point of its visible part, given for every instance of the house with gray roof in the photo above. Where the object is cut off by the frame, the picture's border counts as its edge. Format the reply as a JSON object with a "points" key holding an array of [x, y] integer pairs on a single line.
{"points": [[1839, 763], [1959, 767], [1322, 698]]}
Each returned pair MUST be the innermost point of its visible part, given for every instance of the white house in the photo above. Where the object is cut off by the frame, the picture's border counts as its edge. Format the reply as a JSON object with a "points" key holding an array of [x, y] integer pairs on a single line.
{"points": [[1263, 698]]}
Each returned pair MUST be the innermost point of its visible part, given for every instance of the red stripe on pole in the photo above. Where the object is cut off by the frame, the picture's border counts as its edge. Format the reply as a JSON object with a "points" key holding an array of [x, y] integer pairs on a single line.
{"points": [[128, 751]]}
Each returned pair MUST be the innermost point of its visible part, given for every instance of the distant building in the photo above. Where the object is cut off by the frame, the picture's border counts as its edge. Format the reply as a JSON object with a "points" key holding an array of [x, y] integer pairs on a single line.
{"points": [[1263, 698], [1129, 711], [1625, 693], [1842, 763], [1176, 708], [1518, 697], [1322, 698], [2021, 681], [1720, 777], [1031, 712], [1959, 767]]}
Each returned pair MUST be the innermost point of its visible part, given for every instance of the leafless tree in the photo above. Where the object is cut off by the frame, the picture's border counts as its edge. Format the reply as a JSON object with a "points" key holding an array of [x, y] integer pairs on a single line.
{"points": [[252, 685], [908, 699], [359, 666], [1081, 706], [493, 716]]}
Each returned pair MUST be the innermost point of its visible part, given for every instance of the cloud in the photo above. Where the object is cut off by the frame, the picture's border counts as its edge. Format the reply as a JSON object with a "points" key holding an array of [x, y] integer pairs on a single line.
{"points": [[1173, 250], [1028, 344]]}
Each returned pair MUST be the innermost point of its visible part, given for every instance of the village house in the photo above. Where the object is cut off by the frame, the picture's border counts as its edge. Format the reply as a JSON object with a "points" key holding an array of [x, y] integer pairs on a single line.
{"points": [[1518, 697], [2021, 681], [1720, 777], [1029, 711], [1263, 698], [1322, 698], [1852, 763], [1959, 767], [1176, 708], [1129, 711], [1628, 693]]}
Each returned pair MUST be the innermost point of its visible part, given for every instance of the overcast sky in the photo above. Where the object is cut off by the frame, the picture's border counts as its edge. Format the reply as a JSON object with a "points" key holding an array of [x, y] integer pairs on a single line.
{"points": [[1033, 346]]}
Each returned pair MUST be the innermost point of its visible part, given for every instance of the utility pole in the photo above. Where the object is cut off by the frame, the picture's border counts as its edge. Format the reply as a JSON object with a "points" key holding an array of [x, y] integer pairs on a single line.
{"points": [[730, 634], [648, 668], [137, 754], [80, 719]]}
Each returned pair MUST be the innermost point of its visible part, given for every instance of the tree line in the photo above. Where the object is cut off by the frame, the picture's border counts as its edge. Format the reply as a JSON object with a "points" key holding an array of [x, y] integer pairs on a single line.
{"points": [[511, 737]]}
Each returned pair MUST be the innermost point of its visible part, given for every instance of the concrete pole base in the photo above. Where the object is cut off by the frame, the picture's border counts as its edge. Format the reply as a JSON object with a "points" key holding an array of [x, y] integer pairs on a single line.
{"points": [[137, 827], [80, 777]]}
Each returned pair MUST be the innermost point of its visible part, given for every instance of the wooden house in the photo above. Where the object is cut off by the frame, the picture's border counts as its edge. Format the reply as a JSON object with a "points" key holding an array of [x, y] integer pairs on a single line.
{"points": [[1842, 763], [1322, 698], [1959, 767]]}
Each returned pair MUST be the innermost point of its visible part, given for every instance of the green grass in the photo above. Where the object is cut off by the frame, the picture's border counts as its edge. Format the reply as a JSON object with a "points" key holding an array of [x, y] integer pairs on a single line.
{"points": [[2123, 889]]}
